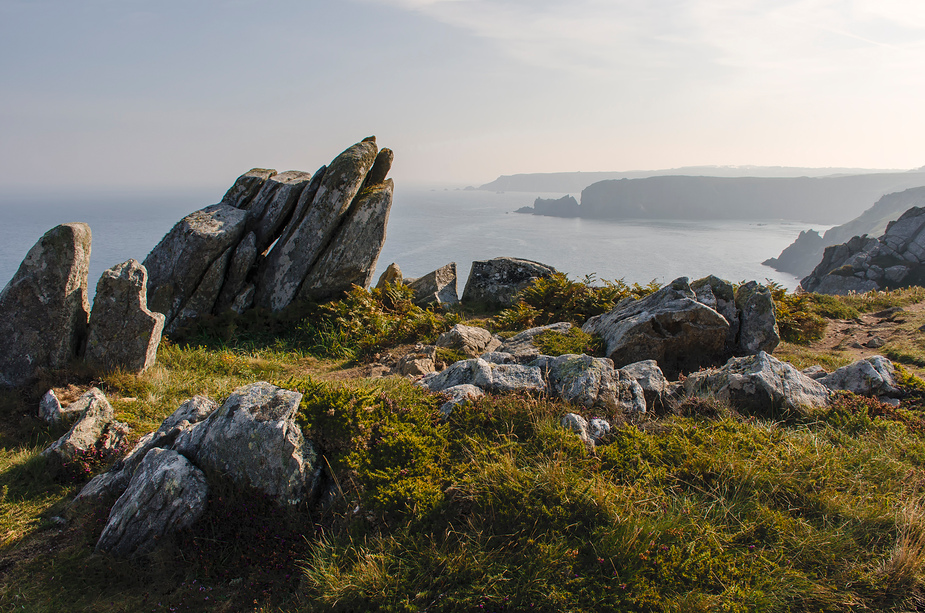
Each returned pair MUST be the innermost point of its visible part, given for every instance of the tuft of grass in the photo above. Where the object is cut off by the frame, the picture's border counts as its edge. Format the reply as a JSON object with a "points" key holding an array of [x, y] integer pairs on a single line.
{"points": [[573, 341]]}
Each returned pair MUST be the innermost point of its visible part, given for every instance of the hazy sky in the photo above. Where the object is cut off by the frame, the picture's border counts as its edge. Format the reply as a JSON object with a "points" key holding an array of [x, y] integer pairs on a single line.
{"points": [[194, 92]]}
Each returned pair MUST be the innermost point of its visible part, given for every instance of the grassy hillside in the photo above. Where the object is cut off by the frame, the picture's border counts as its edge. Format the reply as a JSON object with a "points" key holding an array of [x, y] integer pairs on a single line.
{"points": [[700, 508]]}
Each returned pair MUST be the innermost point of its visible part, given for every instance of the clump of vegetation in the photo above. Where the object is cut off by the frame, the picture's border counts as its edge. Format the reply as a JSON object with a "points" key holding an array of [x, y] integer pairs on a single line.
{"points": [[573, 341], [557, 298]]}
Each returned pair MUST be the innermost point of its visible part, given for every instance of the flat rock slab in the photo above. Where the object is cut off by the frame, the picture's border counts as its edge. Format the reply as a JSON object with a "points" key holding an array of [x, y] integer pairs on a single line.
{"points": [[44, 308]]}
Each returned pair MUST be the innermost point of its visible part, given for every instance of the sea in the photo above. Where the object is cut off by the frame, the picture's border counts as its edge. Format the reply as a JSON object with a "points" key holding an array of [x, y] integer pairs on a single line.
{"points": [[430, 226]]}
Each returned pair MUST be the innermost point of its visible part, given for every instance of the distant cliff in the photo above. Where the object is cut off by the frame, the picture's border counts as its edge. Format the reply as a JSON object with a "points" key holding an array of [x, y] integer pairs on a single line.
{"points": [[806, 251], [566, 206]]}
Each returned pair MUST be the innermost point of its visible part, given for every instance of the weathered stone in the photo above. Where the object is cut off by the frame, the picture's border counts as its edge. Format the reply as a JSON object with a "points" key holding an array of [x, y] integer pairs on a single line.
{"points": [[651, 379], [459, 395], [123, 332], [202, 302], [758, 383], [419, 361], [872, 376], [577, 424], [490, 377], [497, 281], [295, 254], [246, 187], [470, 340], [242, 260], [437, 287], [719, 295], [499, 357], [244, 300], [598, 429], [521, 345], [758, 329], [44, 308], [391, 276], [351, 257], [96, 429], [253, 439], [895, 274], [177, 265], [380, 169], [814, 372], [165, 494], [274, 205], [593, 382], [668, 326], [50, 408]]}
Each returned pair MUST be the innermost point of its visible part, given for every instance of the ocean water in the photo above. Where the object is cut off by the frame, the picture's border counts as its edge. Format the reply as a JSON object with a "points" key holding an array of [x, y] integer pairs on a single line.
{"points": [[430, 227]]}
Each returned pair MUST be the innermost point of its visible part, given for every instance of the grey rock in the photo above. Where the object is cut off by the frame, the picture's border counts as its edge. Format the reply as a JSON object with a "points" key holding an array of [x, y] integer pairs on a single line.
{"points": [[840, 286], [577, 424], [202, 301], [487, 376], [719, 295], [470, 340], [246, 187], [896, 274], [274, 205], [497, 281], [242, 260], [872, 376], [420, 361], [875, 342], [258, 418], [244, 300], [44, 308], [598, 429], [124, 333], [669, 326], [294, 256], [351, 257], [593, 382], [522, 346], [459, 395], [437, 287], [95, 429], [758, 383], [652, 380], [814, 372], [380, 169], [499, 357], [391, 276], [177, 265], [758, 329], [50, 408], [166, 494]]}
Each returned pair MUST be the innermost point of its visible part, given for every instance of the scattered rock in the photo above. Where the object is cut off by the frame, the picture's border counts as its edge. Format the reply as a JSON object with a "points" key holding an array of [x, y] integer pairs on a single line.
{"points": [[95, 430], [420, 361], [758, 383], [50, 408], [44, 308], [123, 332], [459, 395], [437, 287], [497, 281], [166, 494], [872, 376], [758, 328], [593, 382], [470, 340], [391, 276], [652, 380], [875, 342], [577, 424], [521, 345], [815, 372], [487, 376]]}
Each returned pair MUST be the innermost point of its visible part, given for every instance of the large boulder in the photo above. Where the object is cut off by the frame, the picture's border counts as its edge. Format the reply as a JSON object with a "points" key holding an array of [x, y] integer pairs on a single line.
{"points": [[871, 376], [593, 382], [351, 257], [758, 330], [166, 494], [178, 266], [488, 376], [274, 204], [245, 187], [469, 340], [720, 296], [96, 432], [669, 326], [758, 384], [253, 439], [437, 287], [523, 346], [651, 379], [123, 332], [296, 252], [44, 308], [497, 281]]}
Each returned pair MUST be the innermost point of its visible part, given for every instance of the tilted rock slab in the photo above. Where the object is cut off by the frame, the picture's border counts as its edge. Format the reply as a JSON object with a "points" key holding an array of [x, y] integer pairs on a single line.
{"points": [[758, 330], [351, 257], [470, 340], [178, 265], [246, 187], [44, 308], [669, 326], [123, 332], [592, 382], [253, 439], [719, 295], [96, 428], [437, 287], [497, 281], [239, 266], [295, 254], [167, 493], [273, 206], [758, 383], [871, 376]]}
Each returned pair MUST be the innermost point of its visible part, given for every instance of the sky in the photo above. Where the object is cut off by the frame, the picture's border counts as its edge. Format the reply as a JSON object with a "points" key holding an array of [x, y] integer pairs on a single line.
{"points": [[133, 93]]}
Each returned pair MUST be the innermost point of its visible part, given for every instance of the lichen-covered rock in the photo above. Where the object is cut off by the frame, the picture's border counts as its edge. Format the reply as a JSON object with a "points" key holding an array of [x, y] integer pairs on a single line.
{"points": [[652, 380], [203, 300], [44, 308], [178, 264], [499, 357], [719, 295], [96, 429], [522, 346], [303, 243], [495, 282], [592, 382], [239, 266], [253, 440], [391, 276], [814, 372], [274, 204], [124, 333], [758, 383], [245, 187], [871, 376], [669, 326], [459, 395], [420, 361], [758, 329], [351, 257], [437, 287], [50, 408], [577, 424], [470, 340], [487, 376], [167, 493]]}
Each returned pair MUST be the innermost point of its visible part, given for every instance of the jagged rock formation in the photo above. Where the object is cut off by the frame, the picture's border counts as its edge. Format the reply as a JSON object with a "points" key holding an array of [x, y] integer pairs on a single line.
{"points": [[495, 282], [437, 287], [566, 206], [123, 332], [865, 264], [276, 238], [44, 308], [806, 251]]}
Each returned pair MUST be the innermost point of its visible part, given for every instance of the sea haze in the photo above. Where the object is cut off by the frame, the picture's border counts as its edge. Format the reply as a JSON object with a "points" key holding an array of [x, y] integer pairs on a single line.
{"points": [[427, 229]]}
